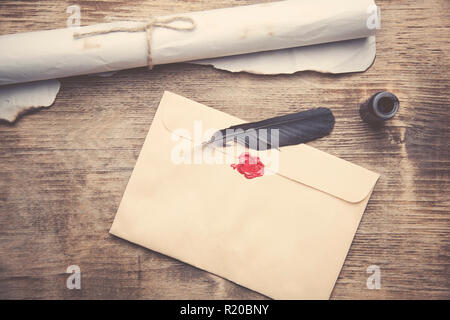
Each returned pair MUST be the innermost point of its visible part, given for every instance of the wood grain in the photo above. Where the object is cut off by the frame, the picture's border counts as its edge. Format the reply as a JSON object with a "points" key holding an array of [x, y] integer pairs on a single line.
{"points": [[63, 169]]}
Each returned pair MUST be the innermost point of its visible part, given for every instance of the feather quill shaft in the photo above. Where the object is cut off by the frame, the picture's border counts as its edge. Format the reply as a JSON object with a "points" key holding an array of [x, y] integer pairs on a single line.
{"points": [[287, 130]]}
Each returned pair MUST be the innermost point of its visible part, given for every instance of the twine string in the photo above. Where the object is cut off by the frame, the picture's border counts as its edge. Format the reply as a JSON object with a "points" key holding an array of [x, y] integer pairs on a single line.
{"points": [[146, 27]]}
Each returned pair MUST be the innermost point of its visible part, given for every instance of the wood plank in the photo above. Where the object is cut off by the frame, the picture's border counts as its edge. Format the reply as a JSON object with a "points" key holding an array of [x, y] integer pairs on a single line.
{"points": [[64, 169]]}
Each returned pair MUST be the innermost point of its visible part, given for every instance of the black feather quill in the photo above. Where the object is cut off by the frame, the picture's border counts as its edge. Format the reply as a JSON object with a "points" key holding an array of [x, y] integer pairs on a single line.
{"points": [[287, 130]]}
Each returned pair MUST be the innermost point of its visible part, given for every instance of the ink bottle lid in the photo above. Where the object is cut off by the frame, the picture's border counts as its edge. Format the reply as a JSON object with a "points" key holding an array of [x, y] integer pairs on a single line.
{"points": [[382, 106]]}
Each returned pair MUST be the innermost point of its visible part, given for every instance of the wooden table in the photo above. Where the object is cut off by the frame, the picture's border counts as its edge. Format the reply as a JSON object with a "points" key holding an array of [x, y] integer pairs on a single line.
{"points": [[64, 169]]}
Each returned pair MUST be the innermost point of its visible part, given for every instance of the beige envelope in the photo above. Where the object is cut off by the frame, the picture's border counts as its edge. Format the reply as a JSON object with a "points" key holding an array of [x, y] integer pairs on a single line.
{"points": [[285, 235]]}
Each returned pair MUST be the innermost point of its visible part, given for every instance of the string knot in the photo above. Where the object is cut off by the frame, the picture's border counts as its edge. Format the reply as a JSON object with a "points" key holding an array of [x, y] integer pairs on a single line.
{"points": [[147, 27]]}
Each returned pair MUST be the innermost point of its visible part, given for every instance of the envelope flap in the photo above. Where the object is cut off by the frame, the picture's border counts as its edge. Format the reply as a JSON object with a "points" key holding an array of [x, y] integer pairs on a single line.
{"points": [[327, 173], [180, 113], [301, 163]]}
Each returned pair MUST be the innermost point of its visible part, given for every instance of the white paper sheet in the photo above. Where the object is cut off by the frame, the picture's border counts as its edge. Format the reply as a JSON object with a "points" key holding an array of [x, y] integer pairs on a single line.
{"points": [[16, 98], [223, 32], [270, 38], [334, 57]]}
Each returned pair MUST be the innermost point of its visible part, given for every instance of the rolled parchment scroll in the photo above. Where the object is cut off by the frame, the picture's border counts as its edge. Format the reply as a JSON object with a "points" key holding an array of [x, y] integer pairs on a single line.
{"points": [[333, 36], [317, 29]]}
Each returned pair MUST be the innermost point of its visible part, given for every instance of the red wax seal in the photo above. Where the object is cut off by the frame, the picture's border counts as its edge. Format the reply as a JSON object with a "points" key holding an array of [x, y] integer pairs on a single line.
{"points": [[250, 166]]}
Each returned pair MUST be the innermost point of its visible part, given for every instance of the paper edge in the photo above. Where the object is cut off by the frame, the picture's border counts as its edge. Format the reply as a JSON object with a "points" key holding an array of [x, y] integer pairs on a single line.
{"points": [[218, 63], [30, 95]]}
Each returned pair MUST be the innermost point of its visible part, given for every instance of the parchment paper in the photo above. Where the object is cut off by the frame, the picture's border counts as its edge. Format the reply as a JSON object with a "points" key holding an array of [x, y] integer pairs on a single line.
{"points": [[334, 57], [269, 38], [233, 31], [17, 98]]}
